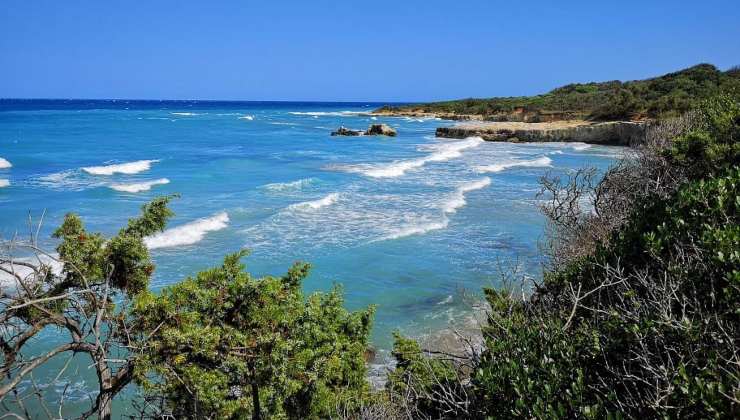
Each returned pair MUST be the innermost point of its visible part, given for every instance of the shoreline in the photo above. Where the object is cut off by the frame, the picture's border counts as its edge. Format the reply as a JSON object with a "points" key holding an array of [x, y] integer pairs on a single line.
{"points": [[611, 133]]}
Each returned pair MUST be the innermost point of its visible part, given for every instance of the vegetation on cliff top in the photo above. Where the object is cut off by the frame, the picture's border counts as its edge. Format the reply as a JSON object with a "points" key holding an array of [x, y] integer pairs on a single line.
{"points": [[669, 95]]}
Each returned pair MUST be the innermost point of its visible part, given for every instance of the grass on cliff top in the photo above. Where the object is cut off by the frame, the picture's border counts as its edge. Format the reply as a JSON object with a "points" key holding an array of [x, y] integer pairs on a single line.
{"points": [[664, 96]]}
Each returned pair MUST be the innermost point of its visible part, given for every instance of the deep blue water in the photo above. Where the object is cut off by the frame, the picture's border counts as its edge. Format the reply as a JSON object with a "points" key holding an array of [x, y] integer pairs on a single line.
{"points": [[411, 223]]}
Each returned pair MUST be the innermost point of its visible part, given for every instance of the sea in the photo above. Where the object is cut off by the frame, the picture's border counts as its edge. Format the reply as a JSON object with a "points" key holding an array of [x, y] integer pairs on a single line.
{"points": [[414, 224]]}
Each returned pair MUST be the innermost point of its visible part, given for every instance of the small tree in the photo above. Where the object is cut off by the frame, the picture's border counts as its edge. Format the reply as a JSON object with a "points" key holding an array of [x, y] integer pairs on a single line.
{"points": [[225, 345], [86, 302]]}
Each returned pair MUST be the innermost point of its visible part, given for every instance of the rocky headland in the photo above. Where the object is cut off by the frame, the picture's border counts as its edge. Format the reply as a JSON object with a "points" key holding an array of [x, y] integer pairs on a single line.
{"points": [[619, 133]]}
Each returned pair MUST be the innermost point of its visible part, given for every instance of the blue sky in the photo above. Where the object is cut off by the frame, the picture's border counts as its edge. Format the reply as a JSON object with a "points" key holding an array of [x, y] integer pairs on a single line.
{"points": [[347, 50]]}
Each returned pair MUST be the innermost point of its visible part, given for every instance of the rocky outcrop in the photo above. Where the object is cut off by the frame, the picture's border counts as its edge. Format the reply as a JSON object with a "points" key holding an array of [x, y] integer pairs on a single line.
{"points": [[380, 129], [343, 131], [621, 133], [373, 130]]}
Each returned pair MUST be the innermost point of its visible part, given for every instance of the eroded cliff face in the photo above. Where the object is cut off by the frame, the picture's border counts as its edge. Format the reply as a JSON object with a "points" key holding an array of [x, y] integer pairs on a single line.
{"points": [[621, 133]]}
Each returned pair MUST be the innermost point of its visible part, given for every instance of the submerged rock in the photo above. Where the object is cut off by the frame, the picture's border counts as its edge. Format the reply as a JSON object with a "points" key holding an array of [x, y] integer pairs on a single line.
{"points": [[380, 129]]}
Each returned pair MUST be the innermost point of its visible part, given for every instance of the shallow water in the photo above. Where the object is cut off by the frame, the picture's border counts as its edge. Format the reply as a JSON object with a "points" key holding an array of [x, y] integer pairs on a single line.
{"points": [[407, 223]]}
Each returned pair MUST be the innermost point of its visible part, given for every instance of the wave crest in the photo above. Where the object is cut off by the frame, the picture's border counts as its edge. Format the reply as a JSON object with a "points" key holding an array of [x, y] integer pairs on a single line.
{"points": [[188, 233], [122, 168], [4, 183], [442, 152], [289, 186], [139, 187], [4, 164], [457, 200], [316, 204], [328, 113], [541, 162]]}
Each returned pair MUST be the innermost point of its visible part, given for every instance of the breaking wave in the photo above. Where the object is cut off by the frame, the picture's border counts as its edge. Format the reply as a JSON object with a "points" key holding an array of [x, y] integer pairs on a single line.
{"points": [[328, 114], [417, 229], [316, 204], [247, 117], [580, 146], [457, 200], [442, 152], [184, 114], [541, 162], [139, 187], [289, 186], [4, 183], [188, 233], [4, 164], [121, 168]]}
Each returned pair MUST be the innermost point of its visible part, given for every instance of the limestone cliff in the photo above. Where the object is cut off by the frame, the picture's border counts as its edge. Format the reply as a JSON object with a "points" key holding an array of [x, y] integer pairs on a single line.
{"points": [[622, 133]]}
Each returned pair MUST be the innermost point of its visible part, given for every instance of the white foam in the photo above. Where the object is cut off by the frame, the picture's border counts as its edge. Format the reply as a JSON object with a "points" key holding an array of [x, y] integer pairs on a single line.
{"points": [[541, 162], [580, 146], [184, 114], [122, 168], [289, 186], [247, 117], [69, 180], [374, 118], [139, 187], [443, 152], [4, 183], [4, 164], [316, 204], [457, 200], [26, 273], [417, 229], [327, 114], [188, 233], [445, 301]]}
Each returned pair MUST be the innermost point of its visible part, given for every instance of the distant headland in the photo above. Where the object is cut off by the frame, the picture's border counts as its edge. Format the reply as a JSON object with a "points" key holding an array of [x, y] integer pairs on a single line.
{"points": [[612, 112]]}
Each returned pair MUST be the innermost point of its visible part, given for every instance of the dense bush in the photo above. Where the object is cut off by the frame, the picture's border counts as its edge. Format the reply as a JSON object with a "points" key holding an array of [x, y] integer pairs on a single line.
{"points": [[640, 318], [225, 345]]}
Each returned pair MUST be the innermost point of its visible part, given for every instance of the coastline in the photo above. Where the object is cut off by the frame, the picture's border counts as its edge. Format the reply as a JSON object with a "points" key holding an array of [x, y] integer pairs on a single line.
{"points": [[608, 133], [612, 133]]}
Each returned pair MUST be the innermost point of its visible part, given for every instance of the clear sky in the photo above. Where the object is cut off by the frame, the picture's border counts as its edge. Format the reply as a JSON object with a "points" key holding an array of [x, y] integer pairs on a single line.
{"points": [[348, 50]]}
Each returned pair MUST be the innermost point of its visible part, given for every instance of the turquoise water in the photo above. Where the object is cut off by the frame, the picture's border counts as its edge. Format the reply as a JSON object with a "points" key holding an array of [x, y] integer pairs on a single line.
{"points": [[411, 223]]}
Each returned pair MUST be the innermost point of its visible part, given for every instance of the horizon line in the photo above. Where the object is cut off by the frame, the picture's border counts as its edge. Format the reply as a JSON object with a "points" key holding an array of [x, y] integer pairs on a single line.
{"points": [[209, 100]]}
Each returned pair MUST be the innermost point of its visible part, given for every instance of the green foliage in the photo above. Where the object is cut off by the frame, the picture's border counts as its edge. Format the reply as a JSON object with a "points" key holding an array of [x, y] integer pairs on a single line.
{"points": [[714, 146], [668, 95], [647, 324], [532, 367], [231, 346], [422, 377], [89, 259]]}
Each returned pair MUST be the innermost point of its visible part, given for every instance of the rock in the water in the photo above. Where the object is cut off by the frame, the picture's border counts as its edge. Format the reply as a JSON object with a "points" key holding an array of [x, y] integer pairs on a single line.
{"points": [[344, 131], [380, 129]]}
